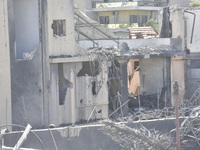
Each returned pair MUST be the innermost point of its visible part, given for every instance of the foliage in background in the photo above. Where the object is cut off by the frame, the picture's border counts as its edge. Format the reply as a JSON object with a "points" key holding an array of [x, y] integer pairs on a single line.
{"points": [[152, 23], [127, 25], [195, 4]]}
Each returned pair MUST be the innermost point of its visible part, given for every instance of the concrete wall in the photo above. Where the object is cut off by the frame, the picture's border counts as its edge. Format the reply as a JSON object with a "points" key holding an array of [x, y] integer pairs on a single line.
{"points": [[78, 94], [89, 95], [44, 93], [26, 74], [61, 10], [26, 26], [5, 81], [134, 79], [62, 113], [151, 73], [178, 25], [194, 46], [186, 72], [27, 91], [178, 74], [182, 3], [182, 23], [192, 74], [154, 75], [70, 98]]}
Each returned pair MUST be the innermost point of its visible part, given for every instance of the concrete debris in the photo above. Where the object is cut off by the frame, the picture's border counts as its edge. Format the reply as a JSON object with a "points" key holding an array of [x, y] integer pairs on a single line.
{"points": [[142, 138], [74, 84], [30, 55], [124, 47], [128, 53], [142, 114], [135, 139], [190, 128], [23, 137], [142, 52]]}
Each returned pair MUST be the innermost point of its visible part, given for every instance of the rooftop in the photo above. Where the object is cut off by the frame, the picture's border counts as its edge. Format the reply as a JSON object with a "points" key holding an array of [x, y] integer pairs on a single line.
{"points": [[141, 32]]}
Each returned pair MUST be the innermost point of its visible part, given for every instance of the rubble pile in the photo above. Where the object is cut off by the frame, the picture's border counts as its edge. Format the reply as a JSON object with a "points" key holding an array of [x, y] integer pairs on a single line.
{"points": [[135, 139], [142, 138], [190, 128], [125, 51], [142, 114]]}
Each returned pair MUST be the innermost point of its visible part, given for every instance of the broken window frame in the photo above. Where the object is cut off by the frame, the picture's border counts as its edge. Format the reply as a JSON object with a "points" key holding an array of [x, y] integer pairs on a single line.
{"points": [[136, 65], [59, 27]]}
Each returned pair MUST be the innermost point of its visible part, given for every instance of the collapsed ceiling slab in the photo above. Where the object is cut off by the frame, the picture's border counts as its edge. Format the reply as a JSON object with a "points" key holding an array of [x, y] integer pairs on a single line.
{"points": [[124, 52]]}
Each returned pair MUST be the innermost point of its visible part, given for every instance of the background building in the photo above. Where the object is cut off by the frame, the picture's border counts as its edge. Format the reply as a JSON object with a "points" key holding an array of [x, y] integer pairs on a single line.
{"points": [[118, 14], [43, 78]]}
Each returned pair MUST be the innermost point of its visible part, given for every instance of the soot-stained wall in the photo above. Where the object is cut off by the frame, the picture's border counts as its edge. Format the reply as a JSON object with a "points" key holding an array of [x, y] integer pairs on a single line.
{"points": [[26, 26], [26, 74]]}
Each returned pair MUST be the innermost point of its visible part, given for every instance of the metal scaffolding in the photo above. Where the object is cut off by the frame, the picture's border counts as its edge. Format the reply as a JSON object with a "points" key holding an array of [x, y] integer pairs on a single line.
{"points": [[88, 29]]}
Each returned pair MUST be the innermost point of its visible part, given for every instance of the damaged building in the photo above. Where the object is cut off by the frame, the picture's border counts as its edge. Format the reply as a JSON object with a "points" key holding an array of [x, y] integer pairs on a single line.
{"points": [[54, 80], [60, 68], [48, 80], [183, 23]]}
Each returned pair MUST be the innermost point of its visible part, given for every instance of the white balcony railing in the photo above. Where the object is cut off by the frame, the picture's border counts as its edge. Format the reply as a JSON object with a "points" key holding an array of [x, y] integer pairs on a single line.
{"points": [[144, 3], [116, 4]]}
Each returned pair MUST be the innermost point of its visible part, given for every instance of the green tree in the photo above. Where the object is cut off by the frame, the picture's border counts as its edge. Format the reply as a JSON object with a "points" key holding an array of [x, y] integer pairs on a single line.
{"points": [[152, 23], [195, 4], [126, 25]]}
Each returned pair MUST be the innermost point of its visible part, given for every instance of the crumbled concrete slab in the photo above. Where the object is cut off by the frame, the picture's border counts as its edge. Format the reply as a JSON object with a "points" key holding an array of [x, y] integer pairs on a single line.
{"points": [[124, 52]]}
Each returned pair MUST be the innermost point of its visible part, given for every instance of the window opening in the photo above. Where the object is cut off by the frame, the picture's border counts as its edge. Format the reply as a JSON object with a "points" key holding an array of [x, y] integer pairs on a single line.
{"points": [[104, 19], [64, 85], [144, 20], [136, 65], [59, 27], [94, 88], [26, 27], [134, 19]]}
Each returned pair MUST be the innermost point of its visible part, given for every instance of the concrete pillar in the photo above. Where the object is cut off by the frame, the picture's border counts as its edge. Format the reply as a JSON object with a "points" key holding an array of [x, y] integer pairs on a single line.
{"points": [[5, 80], [124, 84], [178, 74]]}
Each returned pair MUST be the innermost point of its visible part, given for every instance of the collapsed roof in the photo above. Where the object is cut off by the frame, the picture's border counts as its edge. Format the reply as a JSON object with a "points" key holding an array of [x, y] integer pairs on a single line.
{"points": [[141, 32], [124, 52]]}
